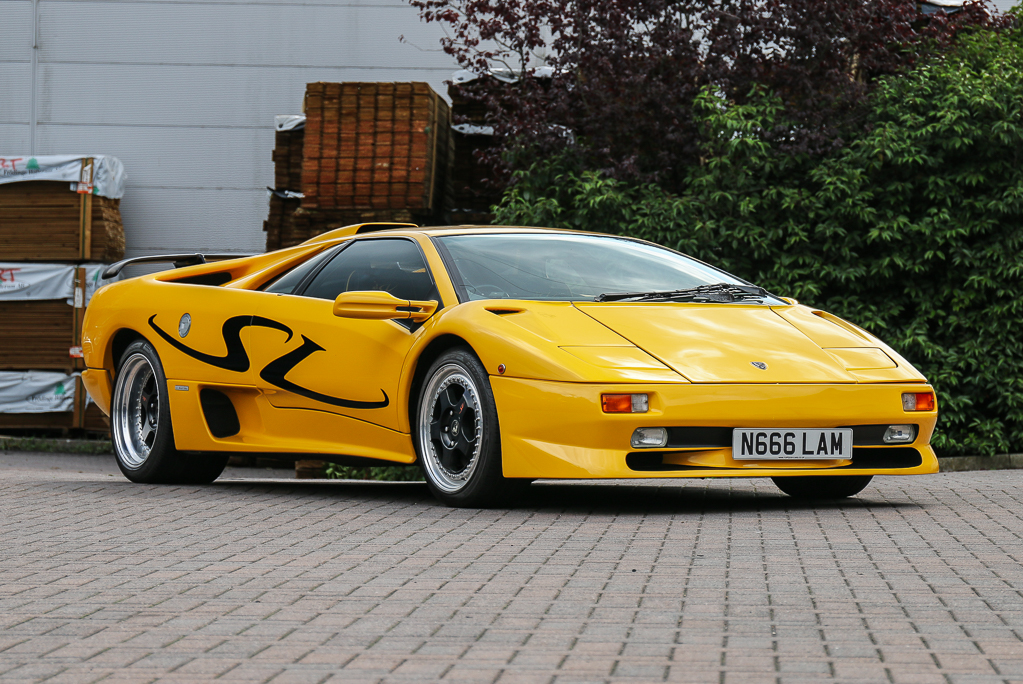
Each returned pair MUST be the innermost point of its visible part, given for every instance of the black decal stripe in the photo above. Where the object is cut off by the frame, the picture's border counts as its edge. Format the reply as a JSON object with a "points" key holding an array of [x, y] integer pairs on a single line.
{"points": [[236, 359], [275, 371]]}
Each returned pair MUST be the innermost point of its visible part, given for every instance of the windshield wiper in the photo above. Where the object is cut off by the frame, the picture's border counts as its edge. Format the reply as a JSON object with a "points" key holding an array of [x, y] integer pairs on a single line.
{"points": [[718, 292]]}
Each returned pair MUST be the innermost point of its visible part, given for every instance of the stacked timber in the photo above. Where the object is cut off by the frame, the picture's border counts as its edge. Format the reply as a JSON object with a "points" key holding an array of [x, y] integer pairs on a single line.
{"points": [[42, 307], [44, 221], [475, 188], [58, 216], [285, 196], [371, 152], [375, 146], [61, 208]]}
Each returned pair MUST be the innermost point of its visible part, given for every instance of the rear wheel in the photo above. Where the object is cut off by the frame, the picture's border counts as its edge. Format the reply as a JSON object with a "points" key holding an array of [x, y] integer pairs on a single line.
{"points": [[457, 434], [141, 425], [822, 487]]}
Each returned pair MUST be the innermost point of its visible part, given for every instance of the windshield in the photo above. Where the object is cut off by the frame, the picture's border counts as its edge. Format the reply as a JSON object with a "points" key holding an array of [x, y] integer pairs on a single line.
{"points": [[562, 267]]}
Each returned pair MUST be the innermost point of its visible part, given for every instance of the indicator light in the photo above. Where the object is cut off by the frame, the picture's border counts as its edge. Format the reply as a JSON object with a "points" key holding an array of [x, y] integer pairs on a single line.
{"points": [[625, 403], [918, 401]]}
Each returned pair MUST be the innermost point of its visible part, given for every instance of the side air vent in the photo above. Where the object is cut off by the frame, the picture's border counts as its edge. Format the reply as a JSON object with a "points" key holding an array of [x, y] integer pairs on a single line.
{"points": [[219, 412], [503, 311], [214, 279]]}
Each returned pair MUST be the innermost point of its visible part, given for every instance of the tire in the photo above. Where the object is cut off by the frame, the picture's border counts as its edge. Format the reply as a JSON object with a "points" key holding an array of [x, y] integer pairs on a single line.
{"points": [[457, 436], [822, 487], [141, 425]]}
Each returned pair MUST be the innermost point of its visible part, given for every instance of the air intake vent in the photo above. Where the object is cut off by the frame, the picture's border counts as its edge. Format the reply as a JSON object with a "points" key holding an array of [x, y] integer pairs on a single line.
{"points": [[219, 412]]}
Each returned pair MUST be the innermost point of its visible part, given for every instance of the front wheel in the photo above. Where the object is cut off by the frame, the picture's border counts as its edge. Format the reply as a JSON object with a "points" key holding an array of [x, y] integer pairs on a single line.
{"points": [[457, 435], [822, 487]]}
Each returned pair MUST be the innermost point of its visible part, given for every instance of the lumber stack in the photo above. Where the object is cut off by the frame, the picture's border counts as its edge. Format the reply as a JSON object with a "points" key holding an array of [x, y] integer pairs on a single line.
{"points": [[370, 152], [374, 146], [92, 419], [474, 187], [42, 331], [474, 190], [41, 408], [60, 224], [39, 335], [45, 221], [285, 196], [287, 157]]}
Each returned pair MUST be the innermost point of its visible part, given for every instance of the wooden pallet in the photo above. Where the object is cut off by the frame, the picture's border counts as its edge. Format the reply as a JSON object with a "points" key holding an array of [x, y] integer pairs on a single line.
{"points": [[46, 221]]}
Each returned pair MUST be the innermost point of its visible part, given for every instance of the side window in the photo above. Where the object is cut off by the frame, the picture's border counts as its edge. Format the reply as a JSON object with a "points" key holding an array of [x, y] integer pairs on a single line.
{"points": [[289, 280], [389, 265]]}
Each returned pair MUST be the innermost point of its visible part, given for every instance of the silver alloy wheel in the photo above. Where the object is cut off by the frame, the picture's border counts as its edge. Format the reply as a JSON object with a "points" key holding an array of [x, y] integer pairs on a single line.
{"points": [[136, 411], [450, 428]]}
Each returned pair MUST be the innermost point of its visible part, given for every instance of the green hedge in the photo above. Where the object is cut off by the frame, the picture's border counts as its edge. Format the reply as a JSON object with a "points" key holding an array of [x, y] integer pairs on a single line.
{"points": [[912, 231], [397, 473]]}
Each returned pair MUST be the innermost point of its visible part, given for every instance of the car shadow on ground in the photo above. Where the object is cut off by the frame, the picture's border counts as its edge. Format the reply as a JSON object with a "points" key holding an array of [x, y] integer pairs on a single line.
{"points": [[597, 497]]}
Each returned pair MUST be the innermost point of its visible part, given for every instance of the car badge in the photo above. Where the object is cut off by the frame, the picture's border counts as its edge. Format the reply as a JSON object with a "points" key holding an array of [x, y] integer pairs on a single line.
{"points": [[184, 325], [759, 364]]}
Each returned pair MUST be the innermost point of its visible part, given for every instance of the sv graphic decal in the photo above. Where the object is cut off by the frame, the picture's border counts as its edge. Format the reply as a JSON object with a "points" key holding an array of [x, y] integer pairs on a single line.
{"points": [[237, 360], [275, 371]]}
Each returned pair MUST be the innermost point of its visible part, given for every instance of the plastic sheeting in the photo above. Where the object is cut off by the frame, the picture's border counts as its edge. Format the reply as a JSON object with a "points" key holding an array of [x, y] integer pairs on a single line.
{"points": [[37, 392], [288, 122], [24, 281], [503, 75], [104, 176]]}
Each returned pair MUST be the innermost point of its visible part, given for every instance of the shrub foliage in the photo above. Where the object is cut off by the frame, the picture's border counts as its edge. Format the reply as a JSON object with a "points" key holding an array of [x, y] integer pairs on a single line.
{"points": [[913, 230], [624, 73]]}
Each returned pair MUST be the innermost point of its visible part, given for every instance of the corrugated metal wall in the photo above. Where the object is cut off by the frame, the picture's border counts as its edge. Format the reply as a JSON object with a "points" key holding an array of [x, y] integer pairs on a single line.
{"points": [[184, 93]]}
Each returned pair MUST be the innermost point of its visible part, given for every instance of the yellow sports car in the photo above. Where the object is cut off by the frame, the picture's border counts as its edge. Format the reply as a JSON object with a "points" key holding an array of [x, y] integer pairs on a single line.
{"points": [[491, 357]]}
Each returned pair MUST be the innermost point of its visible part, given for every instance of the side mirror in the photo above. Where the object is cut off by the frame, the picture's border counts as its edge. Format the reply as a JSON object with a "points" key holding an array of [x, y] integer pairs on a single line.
{"points": [[381, 306]]}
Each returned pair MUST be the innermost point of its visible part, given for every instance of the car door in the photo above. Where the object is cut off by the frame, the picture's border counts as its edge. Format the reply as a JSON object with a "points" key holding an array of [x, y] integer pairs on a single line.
{"points": [[339, 365]]}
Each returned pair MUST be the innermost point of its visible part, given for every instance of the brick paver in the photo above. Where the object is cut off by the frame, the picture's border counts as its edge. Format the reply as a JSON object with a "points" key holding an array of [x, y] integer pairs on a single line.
{"points": [[916, 580]]}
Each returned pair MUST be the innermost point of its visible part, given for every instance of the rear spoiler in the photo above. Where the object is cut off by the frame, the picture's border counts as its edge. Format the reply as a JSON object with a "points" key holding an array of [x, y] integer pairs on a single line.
{"points": [[178, 260]]}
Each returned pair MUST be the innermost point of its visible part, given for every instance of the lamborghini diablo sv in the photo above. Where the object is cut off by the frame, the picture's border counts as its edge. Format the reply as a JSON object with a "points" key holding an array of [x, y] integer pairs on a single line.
{"points": [[493, 356]]}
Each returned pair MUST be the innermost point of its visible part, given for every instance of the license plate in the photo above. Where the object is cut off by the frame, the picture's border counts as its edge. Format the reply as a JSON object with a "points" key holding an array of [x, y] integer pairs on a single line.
{"points": [[791, 444]]}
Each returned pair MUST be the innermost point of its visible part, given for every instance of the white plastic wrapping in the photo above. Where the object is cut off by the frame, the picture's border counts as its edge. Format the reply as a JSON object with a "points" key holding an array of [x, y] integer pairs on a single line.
{"points": [[471, 129], [37, 392], [104, 176], [288, 122], [26, 282], [501, 74]]}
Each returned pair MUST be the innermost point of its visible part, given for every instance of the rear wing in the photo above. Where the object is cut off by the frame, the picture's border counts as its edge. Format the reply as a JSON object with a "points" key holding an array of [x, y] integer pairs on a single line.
{"points": [[179, 260]]}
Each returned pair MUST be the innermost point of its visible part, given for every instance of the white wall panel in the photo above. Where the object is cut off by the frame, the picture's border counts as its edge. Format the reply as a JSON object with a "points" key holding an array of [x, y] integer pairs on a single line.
{"points": [[15, 92], [15, 30], [233, 158], [159, 95], [13, 139], [239, 34], [167, 220]]}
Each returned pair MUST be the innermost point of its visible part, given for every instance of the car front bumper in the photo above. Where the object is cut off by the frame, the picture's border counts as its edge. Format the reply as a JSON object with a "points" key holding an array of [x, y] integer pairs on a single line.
{"points": [[558, 430]]}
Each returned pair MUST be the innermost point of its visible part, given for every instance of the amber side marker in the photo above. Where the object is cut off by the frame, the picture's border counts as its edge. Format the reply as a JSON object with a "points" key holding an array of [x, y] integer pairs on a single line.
{"points": [[625, 403], [918, 401]]}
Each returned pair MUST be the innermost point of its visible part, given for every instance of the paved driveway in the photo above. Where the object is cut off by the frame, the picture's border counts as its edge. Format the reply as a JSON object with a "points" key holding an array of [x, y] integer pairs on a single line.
{"points": [[917, 580]]}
